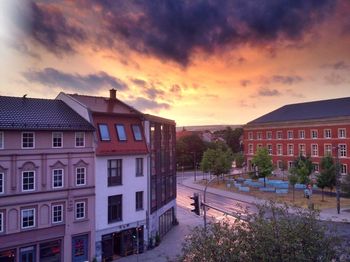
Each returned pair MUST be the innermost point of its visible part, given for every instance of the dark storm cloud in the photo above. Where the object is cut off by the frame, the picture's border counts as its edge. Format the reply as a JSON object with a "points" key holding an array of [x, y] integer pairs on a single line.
{"points": [[142, 104], [53, 77], [174, 30], [48, 26]]}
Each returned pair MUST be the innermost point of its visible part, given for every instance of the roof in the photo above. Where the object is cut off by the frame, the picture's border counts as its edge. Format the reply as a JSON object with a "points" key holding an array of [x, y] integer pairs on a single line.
{"points": [[159, 119], [316, 110], [39, 114], [105, 104]]}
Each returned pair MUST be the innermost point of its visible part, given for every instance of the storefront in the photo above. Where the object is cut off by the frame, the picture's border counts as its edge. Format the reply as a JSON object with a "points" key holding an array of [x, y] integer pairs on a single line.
{"points": [[166, 221], [80, 248], [123, 243], [50, 251]]}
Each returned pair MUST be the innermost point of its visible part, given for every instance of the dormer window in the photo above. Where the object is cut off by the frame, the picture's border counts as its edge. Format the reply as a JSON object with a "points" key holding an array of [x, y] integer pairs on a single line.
{"points": [[104, 132], [121, 132], [137, 132]]}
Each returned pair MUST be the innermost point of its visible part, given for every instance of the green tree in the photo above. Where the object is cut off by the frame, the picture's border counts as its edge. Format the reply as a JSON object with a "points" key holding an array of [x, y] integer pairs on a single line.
{"points": [[293, 179], [232, 138], [302, 167], [239, 159], [189, 150], [217, 161], [263, 161], [273, 234], [327, 177]]}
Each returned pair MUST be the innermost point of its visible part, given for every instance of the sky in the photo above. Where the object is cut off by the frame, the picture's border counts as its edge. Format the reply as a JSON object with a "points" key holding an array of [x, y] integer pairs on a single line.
{"points": [[196, 62]]}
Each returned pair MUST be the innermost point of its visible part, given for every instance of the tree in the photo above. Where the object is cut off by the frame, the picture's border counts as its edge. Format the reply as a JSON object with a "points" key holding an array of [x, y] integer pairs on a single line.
{"points": [[263, 161], [345, 185], [272, 234], [189, 149], [239, 159], [327, 177], [302, 167], [232, 138], [217, 161], [293, 179]]}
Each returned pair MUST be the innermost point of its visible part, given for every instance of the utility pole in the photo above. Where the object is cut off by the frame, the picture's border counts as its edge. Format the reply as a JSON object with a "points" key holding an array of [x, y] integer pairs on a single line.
{"points": [[337, 179]]}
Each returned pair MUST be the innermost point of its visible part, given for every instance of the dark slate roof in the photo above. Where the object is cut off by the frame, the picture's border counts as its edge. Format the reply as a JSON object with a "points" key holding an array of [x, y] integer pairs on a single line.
{"points": [[39, 114], [323, 109]]}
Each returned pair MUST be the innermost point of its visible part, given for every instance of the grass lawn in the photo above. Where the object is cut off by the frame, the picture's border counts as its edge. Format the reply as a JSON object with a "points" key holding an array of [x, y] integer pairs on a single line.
{"points": [[299, 200]]}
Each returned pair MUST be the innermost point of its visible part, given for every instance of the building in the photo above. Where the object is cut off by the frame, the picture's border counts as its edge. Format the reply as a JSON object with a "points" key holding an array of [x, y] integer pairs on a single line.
{"points": [[47, 185], [121, 174], [314, 129], [161, 141]]}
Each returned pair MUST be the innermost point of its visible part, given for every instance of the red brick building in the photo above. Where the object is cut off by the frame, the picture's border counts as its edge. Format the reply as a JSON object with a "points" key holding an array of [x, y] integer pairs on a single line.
{"points": [[312, 129]]}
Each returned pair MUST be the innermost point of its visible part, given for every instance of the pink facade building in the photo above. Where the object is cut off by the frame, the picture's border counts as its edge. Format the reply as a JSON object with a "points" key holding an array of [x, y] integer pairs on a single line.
{"points": [[47, 184]]}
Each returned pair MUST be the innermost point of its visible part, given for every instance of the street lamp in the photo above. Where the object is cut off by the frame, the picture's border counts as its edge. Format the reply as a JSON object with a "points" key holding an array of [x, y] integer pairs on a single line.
{"points": [[337, 179]]}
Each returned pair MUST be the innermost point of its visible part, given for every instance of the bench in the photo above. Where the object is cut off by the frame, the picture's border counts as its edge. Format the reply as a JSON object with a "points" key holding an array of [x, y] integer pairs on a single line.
{"points": [[281, 191], [243, 188]]}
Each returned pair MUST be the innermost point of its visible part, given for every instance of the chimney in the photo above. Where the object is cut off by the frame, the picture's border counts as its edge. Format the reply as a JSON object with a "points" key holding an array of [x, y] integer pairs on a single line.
{"points": [[113, 94]]}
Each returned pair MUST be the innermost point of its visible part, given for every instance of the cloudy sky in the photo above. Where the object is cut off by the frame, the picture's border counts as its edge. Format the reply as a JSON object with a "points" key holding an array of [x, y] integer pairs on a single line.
{"points": [[197, 62]]}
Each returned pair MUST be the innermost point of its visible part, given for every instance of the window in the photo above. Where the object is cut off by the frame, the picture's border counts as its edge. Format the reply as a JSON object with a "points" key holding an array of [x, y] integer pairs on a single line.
{"points": [[327, 133], [301, 134], [343, 169], [250, 149], [279, 164], [1, 222], [342, 133], [316, 167], [290, 134], [137, 132], [1, 140], [57, 178], [258, 146], [139, 166], [80, 210], [57, 139], [28, 180], [328, 150], [121, 132], [115, 208], [314, 150], [314, 134], [290, 164], [79, 139], [28, 218], [104, 132], [269, 149], [302, 151], [250, 135], [279, 135], [290, 149], [279, 150], [269, 135], [139, 200], [80, 173], [114, 172], [259, 135], [2, 183], [57, 214], [27, 140], [342, 150]]}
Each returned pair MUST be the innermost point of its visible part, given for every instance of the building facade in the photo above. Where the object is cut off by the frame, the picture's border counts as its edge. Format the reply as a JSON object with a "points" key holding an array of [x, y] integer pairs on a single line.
{"points": [[161, 140], [314, 129], [121, 174], [47, 185]]}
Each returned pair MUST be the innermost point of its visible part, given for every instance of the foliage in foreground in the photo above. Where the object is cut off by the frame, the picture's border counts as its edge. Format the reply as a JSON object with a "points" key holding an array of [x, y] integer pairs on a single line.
{"points": [[272, 234]]}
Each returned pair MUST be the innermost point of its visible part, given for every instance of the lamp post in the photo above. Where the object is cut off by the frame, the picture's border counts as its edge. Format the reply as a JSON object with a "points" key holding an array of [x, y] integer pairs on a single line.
{"points": [[337, 180]]}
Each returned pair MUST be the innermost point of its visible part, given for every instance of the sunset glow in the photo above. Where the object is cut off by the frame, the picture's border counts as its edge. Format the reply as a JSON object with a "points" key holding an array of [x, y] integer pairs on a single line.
{"points": [[197, 62]]}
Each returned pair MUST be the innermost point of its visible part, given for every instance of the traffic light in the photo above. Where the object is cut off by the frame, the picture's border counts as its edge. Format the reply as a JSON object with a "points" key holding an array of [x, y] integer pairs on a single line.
{"points": [[196, 204]]}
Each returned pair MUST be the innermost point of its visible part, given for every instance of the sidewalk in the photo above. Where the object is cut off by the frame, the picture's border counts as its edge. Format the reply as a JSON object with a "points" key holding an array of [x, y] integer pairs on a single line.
{"points": [[326, 214], [170, 246]]}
